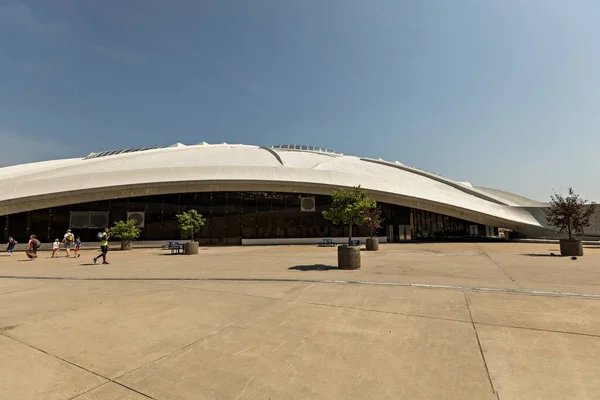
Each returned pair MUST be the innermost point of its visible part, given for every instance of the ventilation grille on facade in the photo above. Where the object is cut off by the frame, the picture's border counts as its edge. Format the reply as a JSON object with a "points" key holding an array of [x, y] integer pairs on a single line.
{"points": [[307, 204], [138, 216]]}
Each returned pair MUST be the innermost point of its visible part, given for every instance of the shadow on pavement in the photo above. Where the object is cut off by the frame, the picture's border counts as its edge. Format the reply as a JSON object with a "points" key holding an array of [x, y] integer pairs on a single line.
{"points": [[313, 267], [542, 255]]}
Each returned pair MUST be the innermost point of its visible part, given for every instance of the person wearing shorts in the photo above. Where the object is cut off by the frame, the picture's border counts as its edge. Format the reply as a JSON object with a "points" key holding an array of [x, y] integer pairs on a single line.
{"points": [[68, 240], [55, 248], [103, 246], [77, 247]]}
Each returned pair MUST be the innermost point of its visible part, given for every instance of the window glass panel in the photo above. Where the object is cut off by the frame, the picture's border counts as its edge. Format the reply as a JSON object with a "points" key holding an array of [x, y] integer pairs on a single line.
{"points": [[38, 224], [308, 224], [59, 219], [153, 219]]}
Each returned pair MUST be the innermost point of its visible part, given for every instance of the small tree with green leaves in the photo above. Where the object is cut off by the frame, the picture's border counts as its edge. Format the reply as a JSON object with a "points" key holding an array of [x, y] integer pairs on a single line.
{"points": [[127, 231], [373, 221], [349, 207], [569, 214], [191, 223]]}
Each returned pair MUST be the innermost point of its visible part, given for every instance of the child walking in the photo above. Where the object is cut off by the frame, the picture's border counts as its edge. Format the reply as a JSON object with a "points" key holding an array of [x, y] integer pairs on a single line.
{"points": [[55, 248], [77, 246]]}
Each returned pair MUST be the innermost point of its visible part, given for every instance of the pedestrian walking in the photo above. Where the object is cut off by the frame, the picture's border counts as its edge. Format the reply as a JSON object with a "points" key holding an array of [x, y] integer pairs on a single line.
{"points": [[32, 247], [68, 240], [77, 247], [103, 236], [11, 245], [55, 248]]}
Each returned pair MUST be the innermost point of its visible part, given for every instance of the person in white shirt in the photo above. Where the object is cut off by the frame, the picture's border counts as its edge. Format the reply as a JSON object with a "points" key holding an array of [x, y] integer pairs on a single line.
{"points": [[68, 240], [55, 248]]}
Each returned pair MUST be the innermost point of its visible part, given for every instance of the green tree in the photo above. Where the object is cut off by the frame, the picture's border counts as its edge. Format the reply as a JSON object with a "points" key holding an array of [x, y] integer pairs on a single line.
{"points": [[569, 214], [127, 231], [191, 223], [349, 207]]}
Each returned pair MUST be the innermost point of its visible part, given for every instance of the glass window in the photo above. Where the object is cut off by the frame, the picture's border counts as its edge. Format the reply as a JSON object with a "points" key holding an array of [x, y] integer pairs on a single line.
{"points": [[58, 223], [153, 219], [293, 225], [3, 228], [233, 227], [219, 203], [308, 225], [264, 225], [218, 229], [38, 224], [17, 227]]}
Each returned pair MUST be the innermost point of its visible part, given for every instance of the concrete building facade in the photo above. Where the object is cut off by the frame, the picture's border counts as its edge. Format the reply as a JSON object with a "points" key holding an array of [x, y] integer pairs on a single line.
{"points": [[249, 194]]}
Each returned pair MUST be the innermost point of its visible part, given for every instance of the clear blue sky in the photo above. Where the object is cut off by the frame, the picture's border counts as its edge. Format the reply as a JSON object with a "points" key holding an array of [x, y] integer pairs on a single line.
{"points": [[501, 93]]}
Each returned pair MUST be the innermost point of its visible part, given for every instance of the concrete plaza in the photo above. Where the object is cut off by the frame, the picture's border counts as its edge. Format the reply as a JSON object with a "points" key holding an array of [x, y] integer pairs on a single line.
{"points": [[418, 321]]}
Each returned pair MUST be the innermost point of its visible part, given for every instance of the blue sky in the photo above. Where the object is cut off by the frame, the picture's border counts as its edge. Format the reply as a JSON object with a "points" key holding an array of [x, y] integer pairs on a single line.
{"points": [[501, 93]]}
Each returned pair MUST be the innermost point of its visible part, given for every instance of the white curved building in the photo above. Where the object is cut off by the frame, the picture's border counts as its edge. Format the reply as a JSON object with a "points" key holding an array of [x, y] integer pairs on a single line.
{"points": [[248, 193]]}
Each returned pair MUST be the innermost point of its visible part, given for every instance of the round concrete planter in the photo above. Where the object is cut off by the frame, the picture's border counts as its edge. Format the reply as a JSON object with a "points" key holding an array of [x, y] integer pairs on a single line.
{"points": [[125, 244], [190, 248], [571, 247], [348, 257], [373, 244]]}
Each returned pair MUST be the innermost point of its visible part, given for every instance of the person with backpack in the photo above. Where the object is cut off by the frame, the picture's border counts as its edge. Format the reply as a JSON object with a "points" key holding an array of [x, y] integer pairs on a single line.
{"points": [[68, 240], [11, 245], [32, 247]]}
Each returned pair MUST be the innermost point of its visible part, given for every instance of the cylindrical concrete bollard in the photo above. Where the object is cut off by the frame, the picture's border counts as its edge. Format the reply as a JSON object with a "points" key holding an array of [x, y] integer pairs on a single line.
{"points": [[573, 247], [372, 244], [348, 257], [191, 248]]}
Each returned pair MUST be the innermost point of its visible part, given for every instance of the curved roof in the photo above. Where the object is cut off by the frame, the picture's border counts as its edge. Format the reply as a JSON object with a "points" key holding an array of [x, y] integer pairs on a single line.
{"points": [[204, 167]]}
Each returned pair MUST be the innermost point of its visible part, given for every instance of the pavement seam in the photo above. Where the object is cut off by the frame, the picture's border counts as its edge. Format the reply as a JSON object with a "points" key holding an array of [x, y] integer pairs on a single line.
{"points": [[498, 265], [204, 337], [538, 329], [108, 380], [329, 305], [487, 370], [588, 296], [394, 312]]}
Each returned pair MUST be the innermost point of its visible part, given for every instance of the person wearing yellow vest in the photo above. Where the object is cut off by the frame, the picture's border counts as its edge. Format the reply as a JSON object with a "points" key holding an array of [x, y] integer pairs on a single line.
{"points": [[103, 245]]}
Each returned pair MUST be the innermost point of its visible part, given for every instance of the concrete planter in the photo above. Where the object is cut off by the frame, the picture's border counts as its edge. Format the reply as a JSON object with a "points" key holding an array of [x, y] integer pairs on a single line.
{"points": [[125, 244], [348, 257], [373, 244], [190, 248], [571, 247]]}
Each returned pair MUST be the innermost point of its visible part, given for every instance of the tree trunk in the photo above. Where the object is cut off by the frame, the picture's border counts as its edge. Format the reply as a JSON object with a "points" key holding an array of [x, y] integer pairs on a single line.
{"points": [[349, 234]]}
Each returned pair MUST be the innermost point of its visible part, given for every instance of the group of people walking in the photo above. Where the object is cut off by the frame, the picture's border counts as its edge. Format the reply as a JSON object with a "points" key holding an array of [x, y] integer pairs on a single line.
{"points": [[69, 241]]}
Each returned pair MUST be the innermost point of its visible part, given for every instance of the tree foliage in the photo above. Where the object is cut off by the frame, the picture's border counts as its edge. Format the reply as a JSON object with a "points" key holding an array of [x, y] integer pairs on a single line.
{"points": [[373, 220], [125, 230], [569, 214], [349, 207], [191, 223]]}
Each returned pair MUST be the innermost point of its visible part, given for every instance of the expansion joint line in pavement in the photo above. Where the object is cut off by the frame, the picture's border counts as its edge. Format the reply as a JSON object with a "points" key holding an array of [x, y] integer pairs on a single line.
{"points": [[330, 281], [108, 380], [487, 370], [497, 265]]}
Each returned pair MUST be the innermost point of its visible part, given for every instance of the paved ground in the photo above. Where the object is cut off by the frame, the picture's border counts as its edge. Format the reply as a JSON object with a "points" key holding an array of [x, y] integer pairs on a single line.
{"points": [[489, 321]]}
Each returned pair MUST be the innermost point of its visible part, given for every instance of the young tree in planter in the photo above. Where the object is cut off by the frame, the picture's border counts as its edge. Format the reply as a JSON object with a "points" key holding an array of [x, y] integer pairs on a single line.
{"points": [[349, 207], [127, 231], [191, 223], [571, 215], [372, 223]]}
